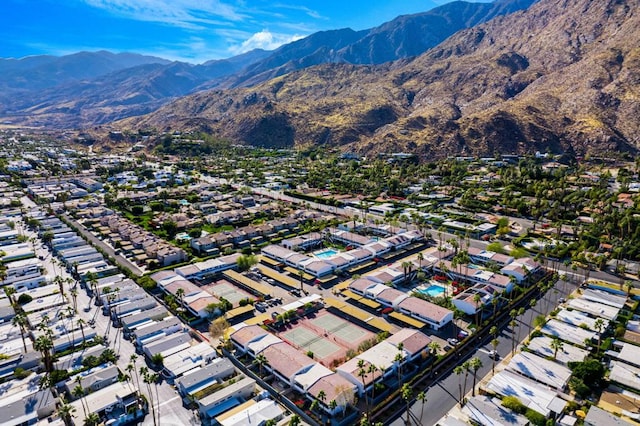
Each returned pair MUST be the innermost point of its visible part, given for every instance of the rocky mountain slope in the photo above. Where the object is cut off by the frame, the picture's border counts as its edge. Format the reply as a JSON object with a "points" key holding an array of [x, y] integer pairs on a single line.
{"points": [[94, 88], [561, 76]]}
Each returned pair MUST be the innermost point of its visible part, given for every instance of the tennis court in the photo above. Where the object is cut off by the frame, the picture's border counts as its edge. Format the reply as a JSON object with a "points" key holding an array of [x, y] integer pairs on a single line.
{"points": [[344, 330], [306, 339], [229, 291]]}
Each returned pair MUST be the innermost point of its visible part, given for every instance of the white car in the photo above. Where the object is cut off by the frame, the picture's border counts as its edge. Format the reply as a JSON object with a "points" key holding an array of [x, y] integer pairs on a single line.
{"points": [[493, 354]]}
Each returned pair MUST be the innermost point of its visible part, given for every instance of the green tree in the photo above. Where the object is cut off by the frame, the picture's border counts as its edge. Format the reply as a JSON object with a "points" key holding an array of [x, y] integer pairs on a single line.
{"points": [[557, 345]]}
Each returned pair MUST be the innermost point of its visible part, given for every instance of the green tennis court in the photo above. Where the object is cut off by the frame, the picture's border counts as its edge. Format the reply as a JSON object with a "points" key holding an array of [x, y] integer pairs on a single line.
{"points": [[343, 329], [230, 292], [310, 341]]}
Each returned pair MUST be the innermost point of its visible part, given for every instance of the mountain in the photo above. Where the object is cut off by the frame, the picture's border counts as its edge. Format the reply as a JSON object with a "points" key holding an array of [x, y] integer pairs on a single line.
{"points": [[560, 76], [40, 72], [403, 37], [86, 89], [134, 90]]}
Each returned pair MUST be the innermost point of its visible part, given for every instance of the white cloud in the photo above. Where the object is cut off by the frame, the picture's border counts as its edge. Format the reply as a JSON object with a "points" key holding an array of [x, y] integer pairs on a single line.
{"points": [[266, 40], [193, 14]]}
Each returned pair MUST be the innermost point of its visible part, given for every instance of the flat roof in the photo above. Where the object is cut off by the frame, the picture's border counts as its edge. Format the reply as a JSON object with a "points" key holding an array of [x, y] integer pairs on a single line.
{"points": [[569, 353], [533, 395], [625, 374], [406, 319], [489, 411], [540, 369], [567, 332]]}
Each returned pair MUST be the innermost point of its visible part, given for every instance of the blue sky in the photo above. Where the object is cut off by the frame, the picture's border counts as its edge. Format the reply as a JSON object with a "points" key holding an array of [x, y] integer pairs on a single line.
{"points": [[188, 30]]}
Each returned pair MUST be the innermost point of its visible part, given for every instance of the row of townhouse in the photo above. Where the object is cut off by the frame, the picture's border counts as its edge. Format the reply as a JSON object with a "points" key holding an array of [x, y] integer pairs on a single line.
{"points": [[155, 248], [245, 236], [312, 379], [195, 300], [370, 250], [77, 255]]}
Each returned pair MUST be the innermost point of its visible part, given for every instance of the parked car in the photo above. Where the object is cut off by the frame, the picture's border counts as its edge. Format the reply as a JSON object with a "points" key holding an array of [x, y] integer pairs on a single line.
{"points": [[452, 341], [493, 354]]}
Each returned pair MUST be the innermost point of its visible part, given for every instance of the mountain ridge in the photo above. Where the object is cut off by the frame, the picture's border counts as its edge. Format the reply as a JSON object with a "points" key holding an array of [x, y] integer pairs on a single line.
{"points": [[84, 102], [560, 76]]}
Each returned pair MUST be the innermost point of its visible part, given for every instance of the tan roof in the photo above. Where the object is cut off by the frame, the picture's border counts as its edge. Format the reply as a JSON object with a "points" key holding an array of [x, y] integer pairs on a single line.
{"points": [[247, 334], [286, 360], [424, 308], [332, 385], [413, 341]]}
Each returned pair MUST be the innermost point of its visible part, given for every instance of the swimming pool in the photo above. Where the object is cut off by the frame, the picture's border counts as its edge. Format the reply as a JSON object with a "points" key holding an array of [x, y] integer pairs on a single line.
{"points": [[433, 291], [326, 253]]}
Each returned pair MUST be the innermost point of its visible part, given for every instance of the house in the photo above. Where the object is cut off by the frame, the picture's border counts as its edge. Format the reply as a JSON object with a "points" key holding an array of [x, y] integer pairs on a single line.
{"points": [[192, 358], [94, 379], [226, 398], [253, 339], [414, 342], [252, 413], [28, 409], [156, 330], [597, 417], [435, 316], [286, 362], [167, 345], [195, 380], [473, 299], [118, 397], [335, 388]]}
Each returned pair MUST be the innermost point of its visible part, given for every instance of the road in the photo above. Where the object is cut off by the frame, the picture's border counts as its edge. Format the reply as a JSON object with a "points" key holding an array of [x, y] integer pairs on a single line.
{"points": [[122, 261], [443, 395]]}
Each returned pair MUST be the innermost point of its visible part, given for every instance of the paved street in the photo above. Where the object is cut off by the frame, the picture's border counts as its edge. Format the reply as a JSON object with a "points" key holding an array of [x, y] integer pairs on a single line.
{"points": [[443, 395]]}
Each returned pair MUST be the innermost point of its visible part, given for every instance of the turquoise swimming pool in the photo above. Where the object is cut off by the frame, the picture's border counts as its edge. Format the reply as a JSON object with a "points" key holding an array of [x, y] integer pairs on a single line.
{"points": [[326, 253], [433, 291]]}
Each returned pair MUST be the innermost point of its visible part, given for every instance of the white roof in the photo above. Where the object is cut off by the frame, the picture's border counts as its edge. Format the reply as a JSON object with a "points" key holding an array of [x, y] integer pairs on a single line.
{"points": [[382, 355], [629, 354], [263, 343], [255, 414], [541, 370], [604, 297], [578, 318], [312, 375], [533, 395], [594, 308], [625, 374], [569, 353], [568, 333], [490, 412]]}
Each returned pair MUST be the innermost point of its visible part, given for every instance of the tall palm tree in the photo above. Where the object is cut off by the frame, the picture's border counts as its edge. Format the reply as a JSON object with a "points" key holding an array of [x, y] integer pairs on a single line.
{"points": [[600, 326], [513, 324], [477, 299], [422, 397], [494, 344], [532, 304], [420, 258], [74, 296], [475, 364], [92, 419], [362, 373], [146, 378], [44, 344], [459, 370], [20, 321], [407, 394], [261, 360], [557, 345], [78, 392], [60, 282], [65, 411], [180, 294], [434, 347], [466, 366]]}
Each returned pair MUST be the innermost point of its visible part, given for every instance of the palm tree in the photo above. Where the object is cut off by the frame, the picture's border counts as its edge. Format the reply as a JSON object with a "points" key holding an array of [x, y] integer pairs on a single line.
{"points": [[92, 419], [420, 258], [466, 366], [362, 373], [532, 304], [147, 379], [10, 291], [60, 281], [74, 296], [180, 294], [475, 364], [261, 360], [78, 392], [513, 324], [459, 370], [65, 411], [44, 344], [477, 299], [557, 345], [407, 394], [422, 397], [20, 320], [600, 326], [434, 347], [494, 344], [372, 370]]}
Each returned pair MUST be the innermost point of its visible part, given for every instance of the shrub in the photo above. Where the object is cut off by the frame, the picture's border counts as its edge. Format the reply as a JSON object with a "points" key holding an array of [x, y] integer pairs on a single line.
{"points": [[24, 298], [535, 418], [514, 404]]}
